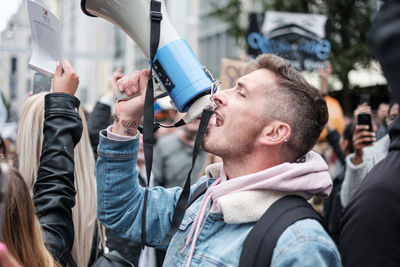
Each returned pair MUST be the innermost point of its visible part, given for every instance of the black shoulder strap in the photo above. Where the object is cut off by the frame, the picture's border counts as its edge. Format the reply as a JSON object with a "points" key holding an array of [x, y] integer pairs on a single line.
{"points": [[148, 127], [260, 242], [148, 120], [200, 190], [182, 203]]}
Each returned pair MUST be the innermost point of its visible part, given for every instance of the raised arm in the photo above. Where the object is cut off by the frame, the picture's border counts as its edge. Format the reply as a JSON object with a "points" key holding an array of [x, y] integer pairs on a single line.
{"points": [[54, 189], [119, 196]]}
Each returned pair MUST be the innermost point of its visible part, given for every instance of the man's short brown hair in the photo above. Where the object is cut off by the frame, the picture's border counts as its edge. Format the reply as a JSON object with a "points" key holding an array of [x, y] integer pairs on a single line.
{"points": [[294, 102]]}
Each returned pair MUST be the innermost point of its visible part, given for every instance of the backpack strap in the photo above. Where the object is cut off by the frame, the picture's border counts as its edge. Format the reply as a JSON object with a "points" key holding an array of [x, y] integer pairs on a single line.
{"points": [[259, 244], [200, 190]]}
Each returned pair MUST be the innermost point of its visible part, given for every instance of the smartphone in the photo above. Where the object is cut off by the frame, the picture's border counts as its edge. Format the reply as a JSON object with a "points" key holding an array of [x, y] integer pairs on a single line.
{"points": [[365, 119], [41, 83], [365, 98]]}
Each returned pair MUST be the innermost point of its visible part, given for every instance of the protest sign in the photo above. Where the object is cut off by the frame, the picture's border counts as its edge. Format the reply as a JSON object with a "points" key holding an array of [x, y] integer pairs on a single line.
{"points": [[231, 71], [300, 38]]}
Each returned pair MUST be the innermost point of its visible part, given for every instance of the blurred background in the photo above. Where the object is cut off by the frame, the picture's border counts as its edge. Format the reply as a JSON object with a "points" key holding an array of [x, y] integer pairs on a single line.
{"points": [[217, 30]]}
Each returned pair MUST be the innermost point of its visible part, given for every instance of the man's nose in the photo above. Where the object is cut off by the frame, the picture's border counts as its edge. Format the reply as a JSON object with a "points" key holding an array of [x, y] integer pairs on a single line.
{"points": [[220, 98]]}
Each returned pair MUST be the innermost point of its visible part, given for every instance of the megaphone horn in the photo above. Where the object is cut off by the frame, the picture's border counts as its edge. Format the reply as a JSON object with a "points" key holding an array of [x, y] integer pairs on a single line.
{"points": [[175, 65]]}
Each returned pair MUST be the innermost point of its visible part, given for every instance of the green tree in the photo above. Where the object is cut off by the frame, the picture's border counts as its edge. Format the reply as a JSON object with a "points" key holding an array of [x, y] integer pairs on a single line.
{"points": [[350, 21], [231, 12]]}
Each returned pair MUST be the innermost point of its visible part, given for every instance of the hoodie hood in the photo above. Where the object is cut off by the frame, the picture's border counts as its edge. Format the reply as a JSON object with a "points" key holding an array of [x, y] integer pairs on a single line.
{"points": [[254, 193], [309, 177]]}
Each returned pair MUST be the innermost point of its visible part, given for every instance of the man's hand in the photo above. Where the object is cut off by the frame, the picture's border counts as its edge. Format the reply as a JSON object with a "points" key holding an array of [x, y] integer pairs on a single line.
{"points": [[324, 73], [67, 81], [128, 113], [361, 138]]}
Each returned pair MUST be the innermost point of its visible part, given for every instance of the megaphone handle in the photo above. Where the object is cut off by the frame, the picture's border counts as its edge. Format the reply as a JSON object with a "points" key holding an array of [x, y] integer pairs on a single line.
{"points": [[118, 96]]}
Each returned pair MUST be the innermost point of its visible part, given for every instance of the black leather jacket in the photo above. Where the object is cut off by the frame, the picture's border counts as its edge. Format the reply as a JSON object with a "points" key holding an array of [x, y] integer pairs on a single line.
{"points": [[98, 120], [54, 190]]}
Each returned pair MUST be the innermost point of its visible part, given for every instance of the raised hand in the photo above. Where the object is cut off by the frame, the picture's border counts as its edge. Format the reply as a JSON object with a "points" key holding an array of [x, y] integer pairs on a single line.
{"points": [[66, 81], [128, 113], [363, 108], [361, 138], [324, 73]]}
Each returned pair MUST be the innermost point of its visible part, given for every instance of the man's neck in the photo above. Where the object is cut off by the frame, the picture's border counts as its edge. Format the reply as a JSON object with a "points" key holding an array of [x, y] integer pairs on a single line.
{"points": [[237, 167]]}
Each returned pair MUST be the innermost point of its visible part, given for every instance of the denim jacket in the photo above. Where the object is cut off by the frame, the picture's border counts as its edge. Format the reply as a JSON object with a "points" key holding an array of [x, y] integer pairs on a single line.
{"points": [[120, 203]]}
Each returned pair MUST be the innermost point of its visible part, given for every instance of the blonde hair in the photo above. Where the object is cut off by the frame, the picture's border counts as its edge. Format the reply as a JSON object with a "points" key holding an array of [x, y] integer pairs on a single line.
{"points": [[21, 231], [29, 146]]}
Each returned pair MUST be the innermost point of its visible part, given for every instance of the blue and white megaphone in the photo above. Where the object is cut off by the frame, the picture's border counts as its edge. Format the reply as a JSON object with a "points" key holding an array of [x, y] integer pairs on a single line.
{"points": [[176, 67]]}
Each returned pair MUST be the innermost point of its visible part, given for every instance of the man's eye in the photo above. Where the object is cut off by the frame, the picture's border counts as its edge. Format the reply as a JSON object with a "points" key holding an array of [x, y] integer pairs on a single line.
{"points": [[240, 93]]}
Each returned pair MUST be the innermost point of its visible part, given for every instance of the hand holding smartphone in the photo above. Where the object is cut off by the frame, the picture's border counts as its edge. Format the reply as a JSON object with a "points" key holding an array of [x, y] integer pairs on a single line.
{"points": [[363, 136], [365, 119]]}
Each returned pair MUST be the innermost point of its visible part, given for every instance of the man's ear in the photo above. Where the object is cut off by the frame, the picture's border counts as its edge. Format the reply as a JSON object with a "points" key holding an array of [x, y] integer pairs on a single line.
{"points": [[275, 133]]}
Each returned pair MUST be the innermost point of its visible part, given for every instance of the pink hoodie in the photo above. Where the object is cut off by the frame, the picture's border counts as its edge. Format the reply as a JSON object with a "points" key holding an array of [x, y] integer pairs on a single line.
{"points": [[309, 178]]}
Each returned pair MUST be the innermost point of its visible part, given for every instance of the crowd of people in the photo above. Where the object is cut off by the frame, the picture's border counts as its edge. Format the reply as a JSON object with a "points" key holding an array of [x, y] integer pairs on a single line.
{"points": [[76, 189]]}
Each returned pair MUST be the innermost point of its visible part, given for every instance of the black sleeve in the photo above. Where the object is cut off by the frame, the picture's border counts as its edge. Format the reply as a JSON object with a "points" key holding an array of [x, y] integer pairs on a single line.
{"points": [[370, 232], [54, 189], [99, 119], [384, 38]]}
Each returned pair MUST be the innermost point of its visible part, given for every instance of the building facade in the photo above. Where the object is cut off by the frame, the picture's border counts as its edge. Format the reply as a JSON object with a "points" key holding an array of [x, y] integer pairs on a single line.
{"points": [[15, 50], [95, 47]]}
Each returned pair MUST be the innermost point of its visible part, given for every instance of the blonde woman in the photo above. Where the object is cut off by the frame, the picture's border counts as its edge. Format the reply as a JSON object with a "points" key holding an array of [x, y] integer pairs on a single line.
{"points": [[61, 118]]}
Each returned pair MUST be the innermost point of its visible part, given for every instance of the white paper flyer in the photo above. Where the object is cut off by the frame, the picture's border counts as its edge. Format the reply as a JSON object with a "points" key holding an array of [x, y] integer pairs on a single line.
{"points": [[46, 39]]}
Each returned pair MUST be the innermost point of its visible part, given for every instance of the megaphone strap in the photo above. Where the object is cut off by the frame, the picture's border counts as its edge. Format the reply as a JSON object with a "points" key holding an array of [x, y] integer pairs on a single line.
{"points": [[177, 124], [182, 203], [148, 120], [149, 127], [155, 17], [157, 126]]}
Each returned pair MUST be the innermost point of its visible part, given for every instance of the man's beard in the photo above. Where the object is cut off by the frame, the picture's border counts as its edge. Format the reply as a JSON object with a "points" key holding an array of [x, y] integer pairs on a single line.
{"points": [[236, 145]]}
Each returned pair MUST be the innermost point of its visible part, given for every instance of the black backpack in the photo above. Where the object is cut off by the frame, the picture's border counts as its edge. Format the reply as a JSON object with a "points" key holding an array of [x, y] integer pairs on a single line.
{"points": [[257, 248]]}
